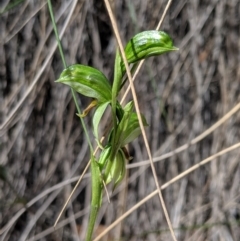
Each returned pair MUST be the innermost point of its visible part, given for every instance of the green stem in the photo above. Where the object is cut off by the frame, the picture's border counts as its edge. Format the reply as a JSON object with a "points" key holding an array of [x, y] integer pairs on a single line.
{"points": [[65, 66], [96, 174], [96, 197], [91, 222], [56, 33]]}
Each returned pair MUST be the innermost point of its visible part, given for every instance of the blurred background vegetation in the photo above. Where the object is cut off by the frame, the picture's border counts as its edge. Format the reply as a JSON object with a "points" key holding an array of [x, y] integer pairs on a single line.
{"points": [[181, 94]]}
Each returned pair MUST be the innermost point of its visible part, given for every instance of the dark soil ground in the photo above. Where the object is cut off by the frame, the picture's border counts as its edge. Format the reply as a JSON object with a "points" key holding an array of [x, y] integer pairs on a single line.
{"points": [[182, 94]]}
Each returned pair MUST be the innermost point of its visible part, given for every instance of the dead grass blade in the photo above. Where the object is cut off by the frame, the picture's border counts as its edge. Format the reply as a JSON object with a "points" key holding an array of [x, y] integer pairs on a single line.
{"points": [[71, 194], [164, 186], [175, 179], [193, 141], [116, 32], [14, 111]]}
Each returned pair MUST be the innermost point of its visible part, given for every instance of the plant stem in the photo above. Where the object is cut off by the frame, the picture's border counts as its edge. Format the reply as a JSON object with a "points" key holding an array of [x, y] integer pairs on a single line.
{"points": [[56, 33], [96, 197], [95, 191], [91, 222], [65, 66]]}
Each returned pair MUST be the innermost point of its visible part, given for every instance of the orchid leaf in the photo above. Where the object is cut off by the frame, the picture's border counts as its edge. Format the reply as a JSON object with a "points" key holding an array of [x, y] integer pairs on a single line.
{"points": [[133, 129], [129, 128], [97, 118], [87, 81], [147, 44], [122, 127]]}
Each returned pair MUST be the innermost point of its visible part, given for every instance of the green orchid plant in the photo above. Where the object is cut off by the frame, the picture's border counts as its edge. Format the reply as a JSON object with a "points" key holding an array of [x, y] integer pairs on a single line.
{"points": [[109, 167]]}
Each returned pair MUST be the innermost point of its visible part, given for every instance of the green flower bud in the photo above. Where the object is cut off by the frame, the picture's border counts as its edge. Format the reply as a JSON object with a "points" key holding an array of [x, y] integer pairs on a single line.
{"points": [[117, 170], [104, 157]]}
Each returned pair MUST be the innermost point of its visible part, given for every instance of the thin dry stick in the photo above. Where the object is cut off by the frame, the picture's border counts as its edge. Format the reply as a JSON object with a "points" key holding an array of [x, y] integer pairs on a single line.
{"points": [[29, 18], [142, 61], [134, 165], [164, 14], [116, 32], [193, 141], [70, 196], [77, 184], [60, 225], [175, 179], [178, 177], [34, 200], [38, 75], [205, 161]]}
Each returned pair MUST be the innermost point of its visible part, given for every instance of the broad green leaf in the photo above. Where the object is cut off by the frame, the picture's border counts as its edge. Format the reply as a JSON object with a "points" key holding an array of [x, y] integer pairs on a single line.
{"points": [[147, 44], [87, 81], [133, 129], [97, 118], [128, 128], [123, 124]]}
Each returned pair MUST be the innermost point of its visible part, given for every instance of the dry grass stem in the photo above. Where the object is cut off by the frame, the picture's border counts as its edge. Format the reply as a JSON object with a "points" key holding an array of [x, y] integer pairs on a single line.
{"points": [[115, 28], [177, 178], [192, 142], [190, 99], [73, 191]]}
